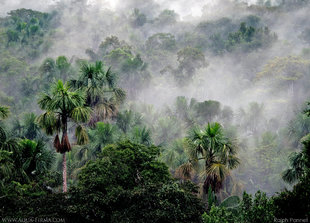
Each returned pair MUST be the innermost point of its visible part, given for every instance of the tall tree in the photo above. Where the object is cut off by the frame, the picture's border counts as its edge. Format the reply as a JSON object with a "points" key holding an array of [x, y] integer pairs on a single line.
{"points": [[62, 106], [102, 93], [217, 151]]}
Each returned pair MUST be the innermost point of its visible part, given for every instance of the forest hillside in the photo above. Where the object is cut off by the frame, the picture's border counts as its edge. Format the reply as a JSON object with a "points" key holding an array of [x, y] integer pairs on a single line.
{"points": [[155, 111]]}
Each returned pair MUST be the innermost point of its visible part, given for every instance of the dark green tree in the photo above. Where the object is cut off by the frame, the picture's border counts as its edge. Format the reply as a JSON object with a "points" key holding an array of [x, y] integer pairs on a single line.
{"points": [[63, 106], [217, 151]]}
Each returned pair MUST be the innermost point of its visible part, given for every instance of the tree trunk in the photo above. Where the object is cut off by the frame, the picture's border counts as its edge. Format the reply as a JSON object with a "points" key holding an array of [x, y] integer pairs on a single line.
{"points": [[64, 173]]}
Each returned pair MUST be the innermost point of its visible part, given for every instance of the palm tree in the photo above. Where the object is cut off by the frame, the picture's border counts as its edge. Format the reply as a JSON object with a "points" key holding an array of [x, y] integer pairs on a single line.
{"points": [[103, 134], [4, 112], [297, 168], [7, 142], [299, 163], [63, 67], [102, 93], [100, 136], [141, 135], [173, 154], [61, 107], [31, 129], [217, 151], [127, 119], [33, 159], [167, 129], [6, 167]]}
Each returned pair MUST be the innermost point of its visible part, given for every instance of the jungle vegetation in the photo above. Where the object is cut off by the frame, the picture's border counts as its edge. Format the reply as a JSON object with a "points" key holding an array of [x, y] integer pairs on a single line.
{"points": [[140, 114]]}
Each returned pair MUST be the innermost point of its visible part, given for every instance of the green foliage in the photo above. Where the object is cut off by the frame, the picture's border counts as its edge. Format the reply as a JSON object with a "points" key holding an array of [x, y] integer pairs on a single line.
{"points": [[189, 60], [206, 111], [4, 112], [35, 159], [127, 184], [285, 202], [122, 181], [299, 163], [120, 158], [141, 135], [7, 165], [296, 171], [22, 170], [230, 202], [174, 154], [102, 135], [218, 215], [223, 37], [166, 17], [257, 209], [211, 198], [132, 69], [249, 38], [161, 41], [62, 106], [26, 30], [218, 152], [286, 69], [52, 70], [127, 119], [167, 129], [102, 92], [298, 127], [29, 127], [7, 141], [138, 18], [252, 118], [220, 26]]}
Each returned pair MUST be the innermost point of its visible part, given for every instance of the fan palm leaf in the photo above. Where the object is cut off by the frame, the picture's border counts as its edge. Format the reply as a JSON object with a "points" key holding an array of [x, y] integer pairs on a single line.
{"points": [[217, 151], [81, 135], [102, 94], [4, 112]]}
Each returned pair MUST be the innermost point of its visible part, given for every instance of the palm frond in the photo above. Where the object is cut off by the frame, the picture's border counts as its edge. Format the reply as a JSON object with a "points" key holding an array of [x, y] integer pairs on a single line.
{"points": [[186, 170], [217, 169], [81, 135], [80, 114], [296, 171], [11, 144], [3, 136], [48, 122], [120, 95], [215, 175], [45, 102], [4, 112], [111, 78], [291, 175], [232, 162], [142, 135]]}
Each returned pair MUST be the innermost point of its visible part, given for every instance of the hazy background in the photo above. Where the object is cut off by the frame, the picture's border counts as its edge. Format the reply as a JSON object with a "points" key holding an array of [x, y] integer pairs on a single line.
{"points": [[229, 78]]}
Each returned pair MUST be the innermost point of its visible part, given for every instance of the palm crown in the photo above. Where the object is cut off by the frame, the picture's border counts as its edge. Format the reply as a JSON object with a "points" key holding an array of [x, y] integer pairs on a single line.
{"points": [[63, 106], [102, 94], [218, 152]]}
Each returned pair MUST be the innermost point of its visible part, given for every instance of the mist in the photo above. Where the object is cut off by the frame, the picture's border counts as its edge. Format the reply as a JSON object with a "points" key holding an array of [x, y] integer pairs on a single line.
{"points": [[230, 76]]}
